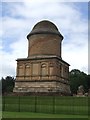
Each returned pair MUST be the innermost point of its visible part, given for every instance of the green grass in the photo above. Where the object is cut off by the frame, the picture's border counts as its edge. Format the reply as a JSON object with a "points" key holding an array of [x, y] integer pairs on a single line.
{"points": [[31, 106], [39, 115]]}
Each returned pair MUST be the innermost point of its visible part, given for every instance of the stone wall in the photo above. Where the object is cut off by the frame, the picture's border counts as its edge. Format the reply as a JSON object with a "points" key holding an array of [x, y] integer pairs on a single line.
{"points": [[41, 87], [43, 44], [49, 69]]}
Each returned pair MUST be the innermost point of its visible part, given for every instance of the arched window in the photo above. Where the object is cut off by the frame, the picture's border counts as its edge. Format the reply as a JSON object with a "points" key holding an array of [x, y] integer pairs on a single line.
{"points": [[44, 69], [50, 68], [35, 69], [60, 69], [20, 70], [27, 69]]}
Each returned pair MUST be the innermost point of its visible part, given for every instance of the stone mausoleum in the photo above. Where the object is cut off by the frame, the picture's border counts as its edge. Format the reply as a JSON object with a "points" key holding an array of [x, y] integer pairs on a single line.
{"points": [[43, 70]]}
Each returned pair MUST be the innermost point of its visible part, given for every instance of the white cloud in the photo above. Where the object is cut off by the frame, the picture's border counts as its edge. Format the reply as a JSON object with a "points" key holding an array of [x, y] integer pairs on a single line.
{"points": [[19, 50], [24, 16], [45, 0], [76, 56]]}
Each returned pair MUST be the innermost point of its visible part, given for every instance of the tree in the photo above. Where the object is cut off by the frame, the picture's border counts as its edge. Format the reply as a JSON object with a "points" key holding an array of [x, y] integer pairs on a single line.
{"points": [[7, 84], [88, 79], [78, 78]]}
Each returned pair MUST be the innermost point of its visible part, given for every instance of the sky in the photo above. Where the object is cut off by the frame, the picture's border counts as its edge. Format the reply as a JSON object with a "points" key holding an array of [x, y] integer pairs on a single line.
{"points": [[18, 19]]}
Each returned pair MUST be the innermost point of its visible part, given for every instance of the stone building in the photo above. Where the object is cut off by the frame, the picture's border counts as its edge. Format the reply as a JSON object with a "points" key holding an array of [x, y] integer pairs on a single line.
{"points": [[43, 70]]}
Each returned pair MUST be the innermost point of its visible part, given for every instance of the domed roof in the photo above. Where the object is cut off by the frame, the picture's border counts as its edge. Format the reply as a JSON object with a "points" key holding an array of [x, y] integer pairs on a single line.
{"points": [[44, 27]]}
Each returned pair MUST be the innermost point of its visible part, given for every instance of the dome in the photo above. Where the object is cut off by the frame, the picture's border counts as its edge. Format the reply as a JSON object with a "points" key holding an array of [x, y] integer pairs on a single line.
{"points": [[44, 27]]}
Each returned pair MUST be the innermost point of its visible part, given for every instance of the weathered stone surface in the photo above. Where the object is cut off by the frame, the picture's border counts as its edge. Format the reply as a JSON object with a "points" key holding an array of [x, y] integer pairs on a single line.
{"points": [[44, 86], [43, 44]]}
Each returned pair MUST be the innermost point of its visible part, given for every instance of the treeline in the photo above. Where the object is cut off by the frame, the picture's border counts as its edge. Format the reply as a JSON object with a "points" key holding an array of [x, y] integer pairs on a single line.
{"points": [[76, 78], [7, 84]]}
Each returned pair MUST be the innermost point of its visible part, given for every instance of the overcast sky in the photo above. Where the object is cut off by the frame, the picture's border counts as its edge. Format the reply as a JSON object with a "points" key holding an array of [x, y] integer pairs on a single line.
{"points": [[18, 19]]}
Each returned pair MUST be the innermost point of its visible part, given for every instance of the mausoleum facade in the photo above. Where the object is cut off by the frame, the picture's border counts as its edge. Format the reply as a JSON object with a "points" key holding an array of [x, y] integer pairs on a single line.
{"points": [[43, 70]]}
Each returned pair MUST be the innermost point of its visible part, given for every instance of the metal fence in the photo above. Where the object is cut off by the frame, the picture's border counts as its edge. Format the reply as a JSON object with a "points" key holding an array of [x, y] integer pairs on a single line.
{"points": [[46, 104]]}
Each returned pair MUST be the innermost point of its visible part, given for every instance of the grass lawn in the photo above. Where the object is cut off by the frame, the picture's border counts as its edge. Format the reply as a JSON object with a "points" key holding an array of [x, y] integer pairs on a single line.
{"points": [[38, 115], [46, 104], [45, 107]]}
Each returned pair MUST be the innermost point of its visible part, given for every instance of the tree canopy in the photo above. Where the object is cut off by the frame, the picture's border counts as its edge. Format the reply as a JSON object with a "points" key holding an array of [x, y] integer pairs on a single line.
{"points": [[7, 84], [78, 78]]}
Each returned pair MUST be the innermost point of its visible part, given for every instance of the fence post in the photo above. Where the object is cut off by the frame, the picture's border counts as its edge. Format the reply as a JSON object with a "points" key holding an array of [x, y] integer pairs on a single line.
{"points": [[73, 104], [53, 104], [3, 104], [19, 104], [35, 103]]}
